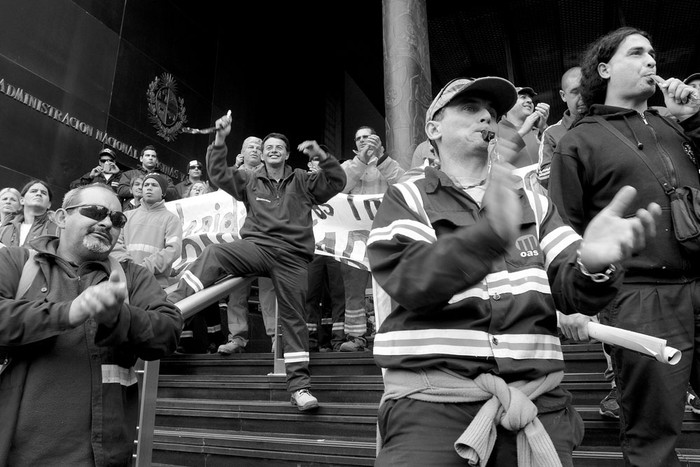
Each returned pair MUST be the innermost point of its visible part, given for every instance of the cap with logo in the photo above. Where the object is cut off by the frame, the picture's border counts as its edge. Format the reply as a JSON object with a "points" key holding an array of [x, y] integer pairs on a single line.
{"points": [[499, 91], [194, 164]]}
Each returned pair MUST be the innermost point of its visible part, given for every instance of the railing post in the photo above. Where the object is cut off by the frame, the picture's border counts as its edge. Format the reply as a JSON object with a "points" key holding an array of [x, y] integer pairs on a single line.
{"points": [[147, 415], [151, 370]]}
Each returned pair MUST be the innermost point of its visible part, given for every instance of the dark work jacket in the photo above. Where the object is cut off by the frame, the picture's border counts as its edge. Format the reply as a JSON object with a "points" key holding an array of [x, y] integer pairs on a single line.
{"points": [[69, 395], [99, 178], [278, 214], [590, 166]]}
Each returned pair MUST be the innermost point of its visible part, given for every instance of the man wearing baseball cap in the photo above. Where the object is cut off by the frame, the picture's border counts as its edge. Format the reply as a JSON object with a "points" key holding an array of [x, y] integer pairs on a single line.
{"points": [[195, 174], [476, 266], [693, 80], [105, 172], [520, 129]]}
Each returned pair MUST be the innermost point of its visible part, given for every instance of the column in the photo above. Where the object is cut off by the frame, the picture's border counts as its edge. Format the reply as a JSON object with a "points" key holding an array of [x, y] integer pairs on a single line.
{"points": [[407, 87]]}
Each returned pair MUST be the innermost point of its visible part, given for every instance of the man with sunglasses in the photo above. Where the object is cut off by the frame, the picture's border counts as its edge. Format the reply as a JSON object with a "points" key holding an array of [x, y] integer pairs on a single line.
{"points": [[69, 393], [105, 172], [194, 175], [277, 238]]}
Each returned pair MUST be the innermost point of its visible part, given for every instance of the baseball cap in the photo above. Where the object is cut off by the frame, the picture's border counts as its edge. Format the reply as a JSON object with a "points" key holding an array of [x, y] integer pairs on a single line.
{"points": [[692, 77], [526, 90], [194, 163], [500, 91], [109, 152]]}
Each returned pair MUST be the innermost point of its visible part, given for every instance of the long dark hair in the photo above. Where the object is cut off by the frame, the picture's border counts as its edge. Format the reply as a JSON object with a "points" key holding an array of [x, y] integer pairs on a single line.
{"points": [[34, 181], [593, 86]]}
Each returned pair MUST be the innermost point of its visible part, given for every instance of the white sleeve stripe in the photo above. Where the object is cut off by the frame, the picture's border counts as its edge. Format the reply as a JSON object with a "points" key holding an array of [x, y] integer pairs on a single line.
{"points": [[411, 195], [193, 281], [115, 374], [411, 229], [559, 247]]}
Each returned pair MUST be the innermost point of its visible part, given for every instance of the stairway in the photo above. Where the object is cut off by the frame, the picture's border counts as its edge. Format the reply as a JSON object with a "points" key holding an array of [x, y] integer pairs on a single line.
{"points": [[222, 411]]}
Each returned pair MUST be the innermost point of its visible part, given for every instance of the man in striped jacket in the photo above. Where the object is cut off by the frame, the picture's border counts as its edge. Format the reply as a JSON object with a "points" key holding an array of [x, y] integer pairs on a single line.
{"points": [[476, 265]]}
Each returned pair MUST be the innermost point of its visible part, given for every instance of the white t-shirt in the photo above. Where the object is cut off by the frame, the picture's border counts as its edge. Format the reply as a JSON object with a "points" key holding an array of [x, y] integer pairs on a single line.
{"points": [[23, 232]]}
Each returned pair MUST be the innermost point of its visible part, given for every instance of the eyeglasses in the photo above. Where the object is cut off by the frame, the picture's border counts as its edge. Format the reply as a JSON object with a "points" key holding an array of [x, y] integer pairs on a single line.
{"points": [[196, 167], [97, 212], [106, 160]]}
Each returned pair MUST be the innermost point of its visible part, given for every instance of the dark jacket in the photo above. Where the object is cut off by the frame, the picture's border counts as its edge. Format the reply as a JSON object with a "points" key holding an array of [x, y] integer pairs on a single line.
{"points": [[591, 165], [550, 138], [124, 189], [86, 179], [278, 215], [70, 392], [43, 225]]}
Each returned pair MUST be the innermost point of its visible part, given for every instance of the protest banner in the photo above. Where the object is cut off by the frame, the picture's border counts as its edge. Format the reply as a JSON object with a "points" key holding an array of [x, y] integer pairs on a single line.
{"points": [[341, 226]]}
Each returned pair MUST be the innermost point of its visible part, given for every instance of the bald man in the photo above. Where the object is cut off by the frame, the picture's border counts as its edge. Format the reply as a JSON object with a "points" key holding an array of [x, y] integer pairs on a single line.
{"points": [[569, 93]]}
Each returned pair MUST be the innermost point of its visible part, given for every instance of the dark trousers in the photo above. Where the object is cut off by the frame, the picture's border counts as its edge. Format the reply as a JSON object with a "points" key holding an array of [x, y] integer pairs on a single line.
{"points": [[325, 286], [289, 277], [417, 433], [652, 394]]}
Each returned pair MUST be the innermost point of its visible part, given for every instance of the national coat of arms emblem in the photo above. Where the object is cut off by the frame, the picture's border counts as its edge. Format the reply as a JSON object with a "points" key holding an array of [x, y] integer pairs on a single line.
{"points": [[166, 110]]}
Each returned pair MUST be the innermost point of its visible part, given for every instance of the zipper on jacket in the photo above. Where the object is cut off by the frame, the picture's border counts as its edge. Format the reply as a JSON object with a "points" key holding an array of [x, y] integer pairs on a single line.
{"points": [[665, 158]]}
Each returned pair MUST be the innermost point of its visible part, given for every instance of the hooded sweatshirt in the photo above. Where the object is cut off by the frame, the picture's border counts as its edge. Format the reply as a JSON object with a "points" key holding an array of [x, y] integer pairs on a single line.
{"points": [[590, 166]]}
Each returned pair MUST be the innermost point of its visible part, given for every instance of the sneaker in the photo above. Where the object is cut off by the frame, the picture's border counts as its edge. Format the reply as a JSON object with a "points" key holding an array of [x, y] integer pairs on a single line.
{"points": [[609, 406], [231, 347], [693, 401], [304, 400], [353, 344]]}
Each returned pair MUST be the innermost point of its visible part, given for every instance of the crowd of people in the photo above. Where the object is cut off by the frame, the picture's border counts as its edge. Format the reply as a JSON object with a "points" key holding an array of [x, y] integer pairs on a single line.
{"points": [[487, 272]]}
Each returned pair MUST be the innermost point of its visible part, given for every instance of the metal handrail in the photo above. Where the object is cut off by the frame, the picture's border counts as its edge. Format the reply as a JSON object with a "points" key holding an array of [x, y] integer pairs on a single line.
{"points": [[189, 306]]}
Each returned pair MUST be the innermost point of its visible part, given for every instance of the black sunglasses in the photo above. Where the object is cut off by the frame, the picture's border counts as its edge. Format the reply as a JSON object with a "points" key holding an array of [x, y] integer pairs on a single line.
{"points": [[106, 160], [97, 212], [196, 167]]}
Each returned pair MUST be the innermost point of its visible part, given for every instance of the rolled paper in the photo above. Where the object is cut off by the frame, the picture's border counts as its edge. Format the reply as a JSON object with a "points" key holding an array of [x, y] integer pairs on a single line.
{"points": [[638, 342]]}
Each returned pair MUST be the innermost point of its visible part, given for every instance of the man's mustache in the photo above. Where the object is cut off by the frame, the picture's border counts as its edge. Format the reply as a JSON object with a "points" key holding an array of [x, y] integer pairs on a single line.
{"points": [[105, 232]]}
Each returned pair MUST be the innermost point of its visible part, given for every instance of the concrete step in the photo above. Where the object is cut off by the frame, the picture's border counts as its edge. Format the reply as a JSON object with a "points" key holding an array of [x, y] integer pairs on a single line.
{"points": [[342, 389], [215, 448], [347, 421]]}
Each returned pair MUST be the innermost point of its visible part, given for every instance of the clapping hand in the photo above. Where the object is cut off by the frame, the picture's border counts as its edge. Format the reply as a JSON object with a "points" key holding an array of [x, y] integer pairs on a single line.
{"points": [[101, 302], [501, 202], [611, 238]]}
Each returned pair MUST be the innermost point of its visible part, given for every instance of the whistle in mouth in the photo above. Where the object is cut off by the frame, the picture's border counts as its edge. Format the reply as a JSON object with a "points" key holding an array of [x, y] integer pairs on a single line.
{"points": [[487, 135]]}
